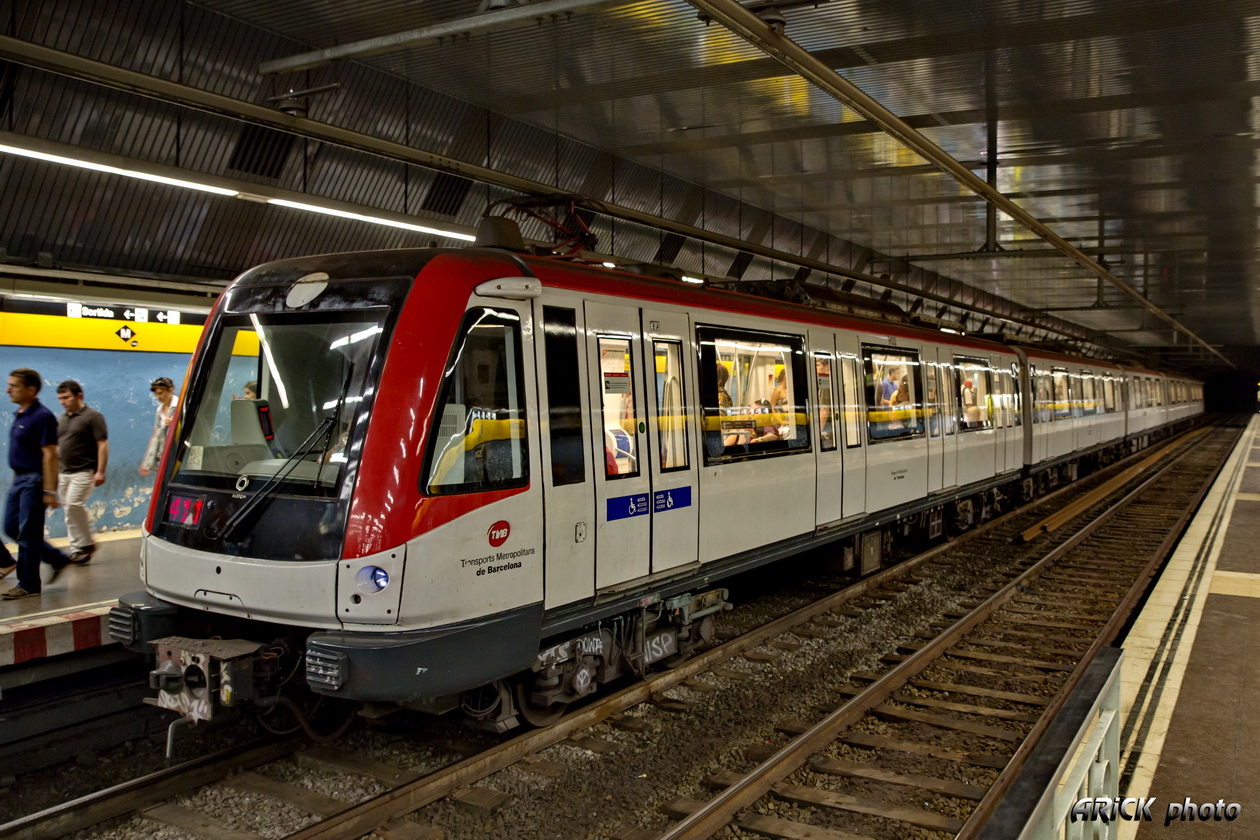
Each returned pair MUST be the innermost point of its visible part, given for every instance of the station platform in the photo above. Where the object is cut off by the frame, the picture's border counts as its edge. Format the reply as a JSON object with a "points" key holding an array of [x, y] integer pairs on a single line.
{"points": [[1191, 672], [71, 614]]}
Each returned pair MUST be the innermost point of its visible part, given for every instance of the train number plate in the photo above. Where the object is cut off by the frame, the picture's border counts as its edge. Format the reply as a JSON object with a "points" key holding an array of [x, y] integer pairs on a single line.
{"points": [[185, 510], [656, 648]]}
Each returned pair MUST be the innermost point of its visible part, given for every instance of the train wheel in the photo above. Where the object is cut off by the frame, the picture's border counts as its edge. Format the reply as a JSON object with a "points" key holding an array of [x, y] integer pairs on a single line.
{"points": [[1001, 500], [534, 714]]}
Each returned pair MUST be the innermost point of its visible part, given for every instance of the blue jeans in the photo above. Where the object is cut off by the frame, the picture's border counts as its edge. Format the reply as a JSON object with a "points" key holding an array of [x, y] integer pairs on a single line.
{"points": [[24, 522]]}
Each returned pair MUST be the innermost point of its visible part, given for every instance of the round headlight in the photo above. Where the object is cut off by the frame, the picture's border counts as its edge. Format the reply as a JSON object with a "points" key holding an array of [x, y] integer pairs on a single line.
{"points": [[371, 579]]}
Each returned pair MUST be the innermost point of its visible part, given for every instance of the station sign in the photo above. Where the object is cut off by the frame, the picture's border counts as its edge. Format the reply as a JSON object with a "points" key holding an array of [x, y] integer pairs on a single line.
{"points": [[139, 314], [40, 322]]}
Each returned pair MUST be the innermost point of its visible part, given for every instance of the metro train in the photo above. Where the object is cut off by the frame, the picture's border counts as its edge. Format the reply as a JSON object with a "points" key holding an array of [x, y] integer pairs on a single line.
{"points": [[477, 479]]}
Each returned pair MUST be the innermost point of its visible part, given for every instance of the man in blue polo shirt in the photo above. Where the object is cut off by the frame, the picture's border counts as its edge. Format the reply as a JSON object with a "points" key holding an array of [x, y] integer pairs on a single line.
{"points": [[33, 458]]}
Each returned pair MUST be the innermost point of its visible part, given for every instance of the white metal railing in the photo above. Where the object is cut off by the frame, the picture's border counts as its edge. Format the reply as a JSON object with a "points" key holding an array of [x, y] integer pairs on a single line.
{"points": [[1078, 758]]}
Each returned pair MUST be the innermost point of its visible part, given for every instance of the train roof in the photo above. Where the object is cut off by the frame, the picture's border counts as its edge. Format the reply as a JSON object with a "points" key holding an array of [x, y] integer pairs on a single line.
{"points": [[567, 274], [600, 280]]}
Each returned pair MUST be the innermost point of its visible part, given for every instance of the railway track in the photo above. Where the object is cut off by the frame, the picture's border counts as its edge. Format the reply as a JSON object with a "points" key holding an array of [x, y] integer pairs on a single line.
{"points": [[995, 672], [951, 724]]}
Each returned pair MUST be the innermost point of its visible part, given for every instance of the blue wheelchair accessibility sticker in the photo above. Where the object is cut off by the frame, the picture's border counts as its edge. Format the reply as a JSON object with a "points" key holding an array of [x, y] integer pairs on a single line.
{"points": [[624, 507], [663, 500]]}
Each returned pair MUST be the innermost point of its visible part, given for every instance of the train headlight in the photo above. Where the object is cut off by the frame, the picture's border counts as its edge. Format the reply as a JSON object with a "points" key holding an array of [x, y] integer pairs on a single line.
{"points": [[371, 579]]}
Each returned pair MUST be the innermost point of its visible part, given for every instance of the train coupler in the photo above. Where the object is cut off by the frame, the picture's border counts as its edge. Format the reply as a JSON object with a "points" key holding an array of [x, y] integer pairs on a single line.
{"points": [[194, 677]]}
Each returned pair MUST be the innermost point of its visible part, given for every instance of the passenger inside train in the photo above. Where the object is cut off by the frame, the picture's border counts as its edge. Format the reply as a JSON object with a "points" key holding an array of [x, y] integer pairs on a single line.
{"points": [[893, 395], [761, 377]]}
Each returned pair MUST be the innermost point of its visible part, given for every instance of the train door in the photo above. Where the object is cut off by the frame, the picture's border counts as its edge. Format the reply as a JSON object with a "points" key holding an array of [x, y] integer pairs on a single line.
{"points": [[932, 419], [1015, 416], [568, 466], [853, 418], [623, 533], [949, 421], [977, 443], [672, 444], [829, 475], [1000, 417]]}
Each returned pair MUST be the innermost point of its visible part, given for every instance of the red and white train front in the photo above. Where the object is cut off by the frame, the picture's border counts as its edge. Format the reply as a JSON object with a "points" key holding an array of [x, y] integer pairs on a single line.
{"points": [[316, 522]]}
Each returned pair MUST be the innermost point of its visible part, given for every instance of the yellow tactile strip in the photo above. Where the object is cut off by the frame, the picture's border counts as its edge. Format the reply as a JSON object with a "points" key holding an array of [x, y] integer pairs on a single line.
{"points": [[1235, 583]]}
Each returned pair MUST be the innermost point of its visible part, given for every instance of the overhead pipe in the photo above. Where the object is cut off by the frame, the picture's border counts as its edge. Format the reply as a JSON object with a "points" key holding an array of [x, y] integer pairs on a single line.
{"points": [[768, 39], [118, 78]]}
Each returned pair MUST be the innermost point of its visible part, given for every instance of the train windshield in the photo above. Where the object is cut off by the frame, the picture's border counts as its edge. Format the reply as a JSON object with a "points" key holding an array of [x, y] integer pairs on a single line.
{"points": [[279, 401]]}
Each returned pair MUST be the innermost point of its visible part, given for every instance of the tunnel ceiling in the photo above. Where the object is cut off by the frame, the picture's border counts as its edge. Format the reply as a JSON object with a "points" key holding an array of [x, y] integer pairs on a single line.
{"points": [[1123, 129]]}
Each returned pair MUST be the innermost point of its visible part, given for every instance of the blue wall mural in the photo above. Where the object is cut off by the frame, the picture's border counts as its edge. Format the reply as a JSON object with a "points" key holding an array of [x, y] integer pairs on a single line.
{"points": [[115, 383]]}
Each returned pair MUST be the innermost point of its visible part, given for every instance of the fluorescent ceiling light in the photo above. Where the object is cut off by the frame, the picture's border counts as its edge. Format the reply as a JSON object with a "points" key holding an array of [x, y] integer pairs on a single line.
{"points": [[376, 220], [114, 170], [225, 191], [696, 280], [948, 330]]}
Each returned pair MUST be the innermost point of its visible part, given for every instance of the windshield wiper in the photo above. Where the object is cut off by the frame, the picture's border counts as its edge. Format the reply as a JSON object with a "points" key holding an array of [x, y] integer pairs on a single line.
{"points": [[336, 424], [307, 446]]}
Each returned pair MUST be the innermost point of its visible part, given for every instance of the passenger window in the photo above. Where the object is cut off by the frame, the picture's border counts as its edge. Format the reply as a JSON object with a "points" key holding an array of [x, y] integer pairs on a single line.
{"points": [[893, 402], [564, 396], [1062, 400], [754, 393], [949, 410], [1043, 402], [1017, 396], [480, 441], [616, 376], [1109, 395], [826, 402], [974, 394], [998, 402], [932, 399], [1089, 405], [671, 423], [852, 404]]}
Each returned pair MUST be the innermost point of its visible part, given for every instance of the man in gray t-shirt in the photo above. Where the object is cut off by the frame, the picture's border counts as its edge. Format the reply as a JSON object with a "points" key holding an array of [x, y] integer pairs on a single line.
{"points": [[83, 447]]}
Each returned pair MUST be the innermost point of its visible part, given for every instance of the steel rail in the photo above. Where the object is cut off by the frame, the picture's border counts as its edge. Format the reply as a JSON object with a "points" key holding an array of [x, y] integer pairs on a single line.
{"points": [[130, 796], [391, 805], [396, 803], [1106, 635], [722, 809], [772, 42], [366, 816]]}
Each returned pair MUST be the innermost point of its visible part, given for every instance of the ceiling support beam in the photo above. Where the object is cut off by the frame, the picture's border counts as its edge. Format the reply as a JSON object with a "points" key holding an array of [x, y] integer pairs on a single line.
{"points": [[1007, 254], [769, 40], [492, 21], [118, 78]]}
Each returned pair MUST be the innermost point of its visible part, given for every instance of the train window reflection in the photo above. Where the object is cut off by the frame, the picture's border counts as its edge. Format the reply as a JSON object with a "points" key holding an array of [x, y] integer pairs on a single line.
{"points": [[755, 394], [616, 376], [974, 394], [564, 396], [932, 400], [826, 401], [480, 440], [1062, 399], [671, 421], [852, 404], [892, 393], [305, 377], [1089, 397], [1043, 404]]}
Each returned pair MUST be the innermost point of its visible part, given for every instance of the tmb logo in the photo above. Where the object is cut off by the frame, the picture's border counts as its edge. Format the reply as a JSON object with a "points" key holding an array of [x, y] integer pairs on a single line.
{"points": [[498, 533]]}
